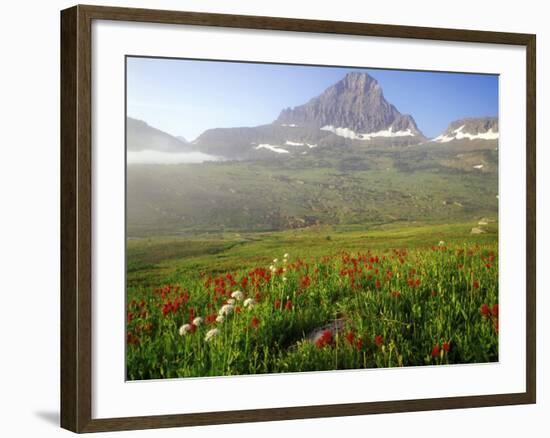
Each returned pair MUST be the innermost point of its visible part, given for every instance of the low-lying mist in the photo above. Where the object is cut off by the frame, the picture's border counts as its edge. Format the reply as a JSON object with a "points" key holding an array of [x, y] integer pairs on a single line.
{"points": [[157, 157]]}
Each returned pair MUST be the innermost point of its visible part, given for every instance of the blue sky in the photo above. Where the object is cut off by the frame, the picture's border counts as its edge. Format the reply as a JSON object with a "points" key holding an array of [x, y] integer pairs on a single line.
{"points": [[186, 97]]}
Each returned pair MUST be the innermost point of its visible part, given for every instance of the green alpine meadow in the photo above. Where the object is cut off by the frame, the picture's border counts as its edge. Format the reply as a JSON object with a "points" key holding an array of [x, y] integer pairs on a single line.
{"points": [[318, 229]]}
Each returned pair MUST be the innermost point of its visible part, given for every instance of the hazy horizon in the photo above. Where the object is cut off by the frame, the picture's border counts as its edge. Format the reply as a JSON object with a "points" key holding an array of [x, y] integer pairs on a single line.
{"points": [[187, 97]]}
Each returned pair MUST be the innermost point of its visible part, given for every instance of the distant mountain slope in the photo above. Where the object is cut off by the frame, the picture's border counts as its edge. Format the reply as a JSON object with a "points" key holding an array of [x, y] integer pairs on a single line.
{"points": [[142, 137], [473, 128], [351, 112], [249, 143]]}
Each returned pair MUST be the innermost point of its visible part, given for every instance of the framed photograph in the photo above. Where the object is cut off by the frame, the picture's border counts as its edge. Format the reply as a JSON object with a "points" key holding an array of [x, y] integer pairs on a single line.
{"points": [[270, 218]]}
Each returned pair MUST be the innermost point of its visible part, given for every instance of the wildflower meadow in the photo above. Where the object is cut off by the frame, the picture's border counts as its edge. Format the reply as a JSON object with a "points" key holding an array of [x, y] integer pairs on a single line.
{"points": [[312, 304]]}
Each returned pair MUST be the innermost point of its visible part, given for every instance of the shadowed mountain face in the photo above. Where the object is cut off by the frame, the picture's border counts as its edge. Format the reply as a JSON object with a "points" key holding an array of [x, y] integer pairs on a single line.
{"points": [[356, 103], [352, 112]]}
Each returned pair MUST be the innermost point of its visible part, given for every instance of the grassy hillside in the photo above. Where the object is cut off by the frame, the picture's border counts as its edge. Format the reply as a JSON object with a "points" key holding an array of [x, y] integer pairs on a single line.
{"points": [[157, 260], [338, 187]]}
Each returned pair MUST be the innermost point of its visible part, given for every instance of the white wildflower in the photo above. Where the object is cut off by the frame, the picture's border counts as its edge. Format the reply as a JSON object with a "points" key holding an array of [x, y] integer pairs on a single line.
{"points": [[211, 334], [231, 301], [284, 278], [249, 302], [238, 295], [197, 321], [275, 260], [226, 309], [220, 318], [286, 255], [441, 243], [185, 328], [272, 268]]}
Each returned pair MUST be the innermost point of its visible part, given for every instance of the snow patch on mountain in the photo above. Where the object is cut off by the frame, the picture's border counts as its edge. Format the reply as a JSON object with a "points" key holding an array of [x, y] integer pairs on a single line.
{"points": [[442, 139], [296, 143], [342, 132], [348, 133], [458, 134], [272, 148]]}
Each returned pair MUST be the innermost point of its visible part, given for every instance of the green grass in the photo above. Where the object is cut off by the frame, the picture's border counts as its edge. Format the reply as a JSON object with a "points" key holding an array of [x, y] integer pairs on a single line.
{"points": [[402, 299], [254, 196]]}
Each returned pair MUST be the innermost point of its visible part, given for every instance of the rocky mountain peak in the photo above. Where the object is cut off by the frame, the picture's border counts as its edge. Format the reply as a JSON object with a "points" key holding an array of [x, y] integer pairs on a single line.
{"points": [[359, 83], [355, 103]]}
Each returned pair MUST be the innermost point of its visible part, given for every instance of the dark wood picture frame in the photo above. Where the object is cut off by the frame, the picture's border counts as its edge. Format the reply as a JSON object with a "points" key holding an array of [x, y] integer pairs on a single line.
{"points": [[76, 218]]}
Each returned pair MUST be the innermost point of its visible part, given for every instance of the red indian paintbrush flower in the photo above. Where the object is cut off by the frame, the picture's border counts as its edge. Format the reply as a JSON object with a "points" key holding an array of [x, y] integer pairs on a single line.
{"points": [[435, 351], [475, 284], [350, 337], [324, 340], [255, 322], [446, 347], [494, 311], [210, 319], [378, 340], [305, 282], [484, 310], [131, 339], [288, 305], [167, 308]]}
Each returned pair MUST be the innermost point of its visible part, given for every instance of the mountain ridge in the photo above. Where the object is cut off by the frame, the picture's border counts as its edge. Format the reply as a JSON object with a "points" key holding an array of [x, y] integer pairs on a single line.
{"points": [[140, 136], [470, 128], [351, 111], [351, 114]]}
